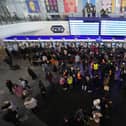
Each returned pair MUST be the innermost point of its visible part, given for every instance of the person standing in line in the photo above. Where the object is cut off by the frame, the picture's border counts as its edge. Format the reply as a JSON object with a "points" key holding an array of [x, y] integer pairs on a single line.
{"points": [[70, 81], [77, 60], [79, 79], [84, 84]]}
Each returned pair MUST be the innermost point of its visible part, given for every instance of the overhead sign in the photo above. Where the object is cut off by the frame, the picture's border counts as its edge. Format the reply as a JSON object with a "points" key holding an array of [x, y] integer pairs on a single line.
{"points": [[63, 38], [84, 27], [113, 28]]}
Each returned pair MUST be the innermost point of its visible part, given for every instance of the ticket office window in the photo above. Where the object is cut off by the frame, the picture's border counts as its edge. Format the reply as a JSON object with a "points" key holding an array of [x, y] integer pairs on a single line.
{"points": [[89, 44], [108, 45], [113, 45], [42, 44], [101, 45], [120, 45], [124, 45], [85, 44]]}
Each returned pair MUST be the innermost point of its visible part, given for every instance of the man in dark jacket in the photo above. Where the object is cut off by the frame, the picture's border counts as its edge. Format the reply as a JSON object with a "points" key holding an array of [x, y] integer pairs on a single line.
{"points": [[32, 73], [9, 85], [12, 117]]}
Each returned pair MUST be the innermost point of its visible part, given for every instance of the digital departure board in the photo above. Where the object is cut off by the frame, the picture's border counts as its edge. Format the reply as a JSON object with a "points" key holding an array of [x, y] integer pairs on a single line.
{"points": [[84, 27], [113, 28]]}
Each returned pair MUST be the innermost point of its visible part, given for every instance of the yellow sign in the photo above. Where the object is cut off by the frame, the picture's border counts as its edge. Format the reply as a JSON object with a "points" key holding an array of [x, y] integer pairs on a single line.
{"points": [[32, 5], [123, 3], [113, 6]]}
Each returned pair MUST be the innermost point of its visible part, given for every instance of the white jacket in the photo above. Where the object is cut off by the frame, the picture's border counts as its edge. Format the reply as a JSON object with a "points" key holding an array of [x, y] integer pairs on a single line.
{"points": [[30, 104]]}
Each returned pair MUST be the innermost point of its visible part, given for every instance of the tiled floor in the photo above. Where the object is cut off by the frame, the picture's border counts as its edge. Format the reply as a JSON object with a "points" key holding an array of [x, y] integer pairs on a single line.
{"points": [[5, 74]]}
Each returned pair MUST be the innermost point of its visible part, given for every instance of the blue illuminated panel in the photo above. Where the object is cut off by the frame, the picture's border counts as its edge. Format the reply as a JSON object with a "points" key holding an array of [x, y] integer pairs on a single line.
{"points": [[69, 37], [84, 27], [113, 28]]}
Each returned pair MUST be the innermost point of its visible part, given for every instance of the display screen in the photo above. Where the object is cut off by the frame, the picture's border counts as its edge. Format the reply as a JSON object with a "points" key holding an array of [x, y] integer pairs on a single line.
{"points": [[84, 27], [113, 28]]}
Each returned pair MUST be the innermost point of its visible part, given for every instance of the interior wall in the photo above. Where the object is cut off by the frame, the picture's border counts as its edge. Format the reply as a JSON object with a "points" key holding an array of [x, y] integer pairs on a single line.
{"points": [[43, 27]]}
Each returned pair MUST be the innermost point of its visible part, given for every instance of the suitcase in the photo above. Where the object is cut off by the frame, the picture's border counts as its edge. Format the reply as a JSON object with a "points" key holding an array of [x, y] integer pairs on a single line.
{"points": [[15, 67]]}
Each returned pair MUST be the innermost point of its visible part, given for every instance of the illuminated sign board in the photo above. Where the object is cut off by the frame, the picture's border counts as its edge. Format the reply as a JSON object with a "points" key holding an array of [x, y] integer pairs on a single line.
{"points": [[113, 28], [84, 27]]}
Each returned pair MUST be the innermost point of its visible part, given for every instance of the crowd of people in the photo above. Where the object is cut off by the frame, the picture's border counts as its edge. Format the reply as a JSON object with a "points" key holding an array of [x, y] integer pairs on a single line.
{"points": [[90, 70]]}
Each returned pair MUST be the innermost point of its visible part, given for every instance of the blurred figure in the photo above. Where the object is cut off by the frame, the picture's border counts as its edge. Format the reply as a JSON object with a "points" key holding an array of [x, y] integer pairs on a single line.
{"points": [[11, 114], [96, 117], [18, 90], [24, 83], [43, 90], [30, 103], [8, 104], [12, 117], [96, 104], [77, 60], [32, 73], [9, 85], [70, 81]]}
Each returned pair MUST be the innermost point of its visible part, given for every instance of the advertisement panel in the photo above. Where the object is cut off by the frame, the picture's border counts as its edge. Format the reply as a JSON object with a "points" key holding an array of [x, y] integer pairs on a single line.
{"points": [[70, 6], [123, 5], [106, 5], [33, 6], [113, 6], [51, 6]]}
